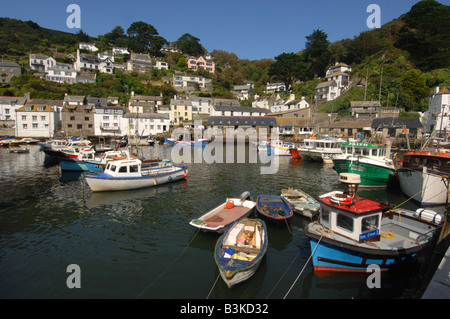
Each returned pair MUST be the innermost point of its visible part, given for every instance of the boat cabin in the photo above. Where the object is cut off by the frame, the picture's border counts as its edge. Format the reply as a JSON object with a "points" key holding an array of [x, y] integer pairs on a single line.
{"points": [[346, 214], [321, 144], [364, 149], [124, 168], [436, 160], [87, 154]]}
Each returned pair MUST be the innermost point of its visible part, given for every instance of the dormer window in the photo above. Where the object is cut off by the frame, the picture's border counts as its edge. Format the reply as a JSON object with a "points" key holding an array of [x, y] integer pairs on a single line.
{"points": [[28, 108]]}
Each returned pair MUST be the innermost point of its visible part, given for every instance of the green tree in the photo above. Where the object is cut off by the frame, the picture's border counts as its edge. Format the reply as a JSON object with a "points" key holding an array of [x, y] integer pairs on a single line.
{"points": [[287, 68], [317, 53], [116, 34], [143, 37], [414, 85], [82, 36], [188, 44]]}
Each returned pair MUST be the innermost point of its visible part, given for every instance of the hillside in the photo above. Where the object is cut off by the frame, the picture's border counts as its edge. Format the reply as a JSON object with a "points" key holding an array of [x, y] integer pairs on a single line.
{"points": [[402, 61]]}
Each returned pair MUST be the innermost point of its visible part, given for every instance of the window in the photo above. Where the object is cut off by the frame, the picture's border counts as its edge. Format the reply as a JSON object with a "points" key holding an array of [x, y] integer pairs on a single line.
{"points": [[35, 125], [24, 117], [325, 214], [79, 126], [86, 118], [24, 126], [134, 169], [42, 118], [72, 118], [344, 222], [123, 169], [34, 118], [369, 223]]}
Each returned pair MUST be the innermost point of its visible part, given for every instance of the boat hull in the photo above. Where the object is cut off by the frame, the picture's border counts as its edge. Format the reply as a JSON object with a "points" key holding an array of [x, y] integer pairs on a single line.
{"points": [[372, 176], [220, 218], [105, 182], [81, 166], [234, 271], [274, 209], [168, 141], [333, 258], [423, 186]]}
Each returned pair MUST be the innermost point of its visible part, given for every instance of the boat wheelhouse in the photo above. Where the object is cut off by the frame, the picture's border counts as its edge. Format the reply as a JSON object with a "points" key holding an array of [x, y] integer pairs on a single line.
{"points": [[354, 232], [424, 176], [320, 150], [371, 161]]}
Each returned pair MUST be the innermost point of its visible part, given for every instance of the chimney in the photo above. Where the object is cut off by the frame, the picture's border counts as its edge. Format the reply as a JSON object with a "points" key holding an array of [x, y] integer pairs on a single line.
{"points": [[436, 90]]}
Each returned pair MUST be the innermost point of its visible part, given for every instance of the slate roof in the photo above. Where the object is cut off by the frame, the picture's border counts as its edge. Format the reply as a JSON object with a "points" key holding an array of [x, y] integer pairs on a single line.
{"points": [[242, 121], [409, 122]]}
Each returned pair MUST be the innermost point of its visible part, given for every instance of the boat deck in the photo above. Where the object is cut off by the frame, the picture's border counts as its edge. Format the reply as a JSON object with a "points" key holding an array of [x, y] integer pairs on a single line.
{"points": [[226, 216]]}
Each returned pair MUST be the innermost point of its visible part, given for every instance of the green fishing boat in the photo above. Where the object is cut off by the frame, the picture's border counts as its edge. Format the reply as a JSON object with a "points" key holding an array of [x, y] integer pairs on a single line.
{"points": [[371, 161]]}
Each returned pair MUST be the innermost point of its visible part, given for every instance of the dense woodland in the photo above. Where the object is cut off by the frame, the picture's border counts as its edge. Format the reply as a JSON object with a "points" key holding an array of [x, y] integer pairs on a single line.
{"points": [[402, 61]]}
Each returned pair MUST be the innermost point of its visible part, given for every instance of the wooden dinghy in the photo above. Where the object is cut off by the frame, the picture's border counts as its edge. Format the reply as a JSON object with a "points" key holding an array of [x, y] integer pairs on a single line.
{"points": [[217, 219], [274, 209], [240, 250], [301, 202]]}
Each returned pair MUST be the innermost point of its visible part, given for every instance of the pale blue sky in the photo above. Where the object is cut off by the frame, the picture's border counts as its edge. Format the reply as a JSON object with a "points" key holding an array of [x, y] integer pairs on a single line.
{"points": [[252, 29]]}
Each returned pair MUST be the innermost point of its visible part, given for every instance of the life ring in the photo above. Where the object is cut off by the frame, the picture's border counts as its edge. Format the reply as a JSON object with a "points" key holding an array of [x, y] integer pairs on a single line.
{"points": [[341, 199], [347, 201], [387, 235]]}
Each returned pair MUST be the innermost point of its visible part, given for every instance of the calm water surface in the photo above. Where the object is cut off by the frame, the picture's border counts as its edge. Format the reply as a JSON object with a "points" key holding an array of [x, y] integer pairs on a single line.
{"points": [[138, 244]]}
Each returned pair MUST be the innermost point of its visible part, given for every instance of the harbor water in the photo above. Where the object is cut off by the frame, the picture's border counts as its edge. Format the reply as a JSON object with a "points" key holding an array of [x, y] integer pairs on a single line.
{"points": [[139, 244]]}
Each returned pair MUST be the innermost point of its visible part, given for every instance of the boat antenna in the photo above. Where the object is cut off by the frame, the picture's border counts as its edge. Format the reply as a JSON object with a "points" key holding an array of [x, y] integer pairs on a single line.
{"points": [[352, 180]]}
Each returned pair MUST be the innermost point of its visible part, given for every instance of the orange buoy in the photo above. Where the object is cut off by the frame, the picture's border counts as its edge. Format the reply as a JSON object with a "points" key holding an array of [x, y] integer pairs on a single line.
{"points": [[229, 205]]}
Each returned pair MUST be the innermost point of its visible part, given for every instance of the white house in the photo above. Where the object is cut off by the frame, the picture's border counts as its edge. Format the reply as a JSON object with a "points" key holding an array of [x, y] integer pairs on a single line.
{"points": [[62, 73], [119, 50], [182, 82], [146, 124], [36, 120], [144, 103], [243, 92], [203, 105], [41, 63], [139, 63], [9, 105], [438, 111], [161, 65], [266, 101], [328, 91], [275, 88], [291, 104], [108, 120], [106, 55], [88, 46], [339, 67]]}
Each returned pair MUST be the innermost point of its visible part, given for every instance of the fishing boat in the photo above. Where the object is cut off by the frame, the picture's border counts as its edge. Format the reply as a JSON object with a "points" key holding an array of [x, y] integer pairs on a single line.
{"points": [[274, 208], [301, 202], [424, 176], [354, 232], [240, 250], [89, 160], [262, 145], [320, 150], [371, 161], [280, 148], [19, 150], [130, 173], [199, 142], [219, 218], [28, 140]]}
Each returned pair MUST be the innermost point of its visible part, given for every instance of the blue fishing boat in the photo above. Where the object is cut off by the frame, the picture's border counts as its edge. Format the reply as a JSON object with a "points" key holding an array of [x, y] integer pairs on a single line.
{"points": [[274, 209], [240, 250], [172, 142], [354, 232]]}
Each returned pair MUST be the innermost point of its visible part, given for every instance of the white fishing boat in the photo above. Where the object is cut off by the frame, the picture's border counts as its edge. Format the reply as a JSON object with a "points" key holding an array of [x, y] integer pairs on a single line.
{"points": [[219, 218], [301, 202], [280, 148], [320, 150], [130, 173], [424, 176]]}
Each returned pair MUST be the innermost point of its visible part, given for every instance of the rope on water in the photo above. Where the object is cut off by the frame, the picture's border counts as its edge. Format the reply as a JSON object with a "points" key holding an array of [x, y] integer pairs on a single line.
{"points": [[299, 251], [170, 266], [301, 272], [215, 282]]}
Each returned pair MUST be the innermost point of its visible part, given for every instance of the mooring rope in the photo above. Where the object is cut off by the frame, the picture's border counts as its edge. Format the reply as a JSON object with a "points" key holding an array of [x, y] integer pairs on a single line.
{"points": [[301, 272], [168, 268], [215, 282]]}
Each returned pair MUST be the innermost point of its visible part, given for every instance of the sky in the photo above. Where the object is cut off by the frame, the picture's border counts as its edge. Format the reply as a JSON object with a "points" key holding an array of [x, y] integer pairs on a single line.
{"points": [[252, 29]]}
